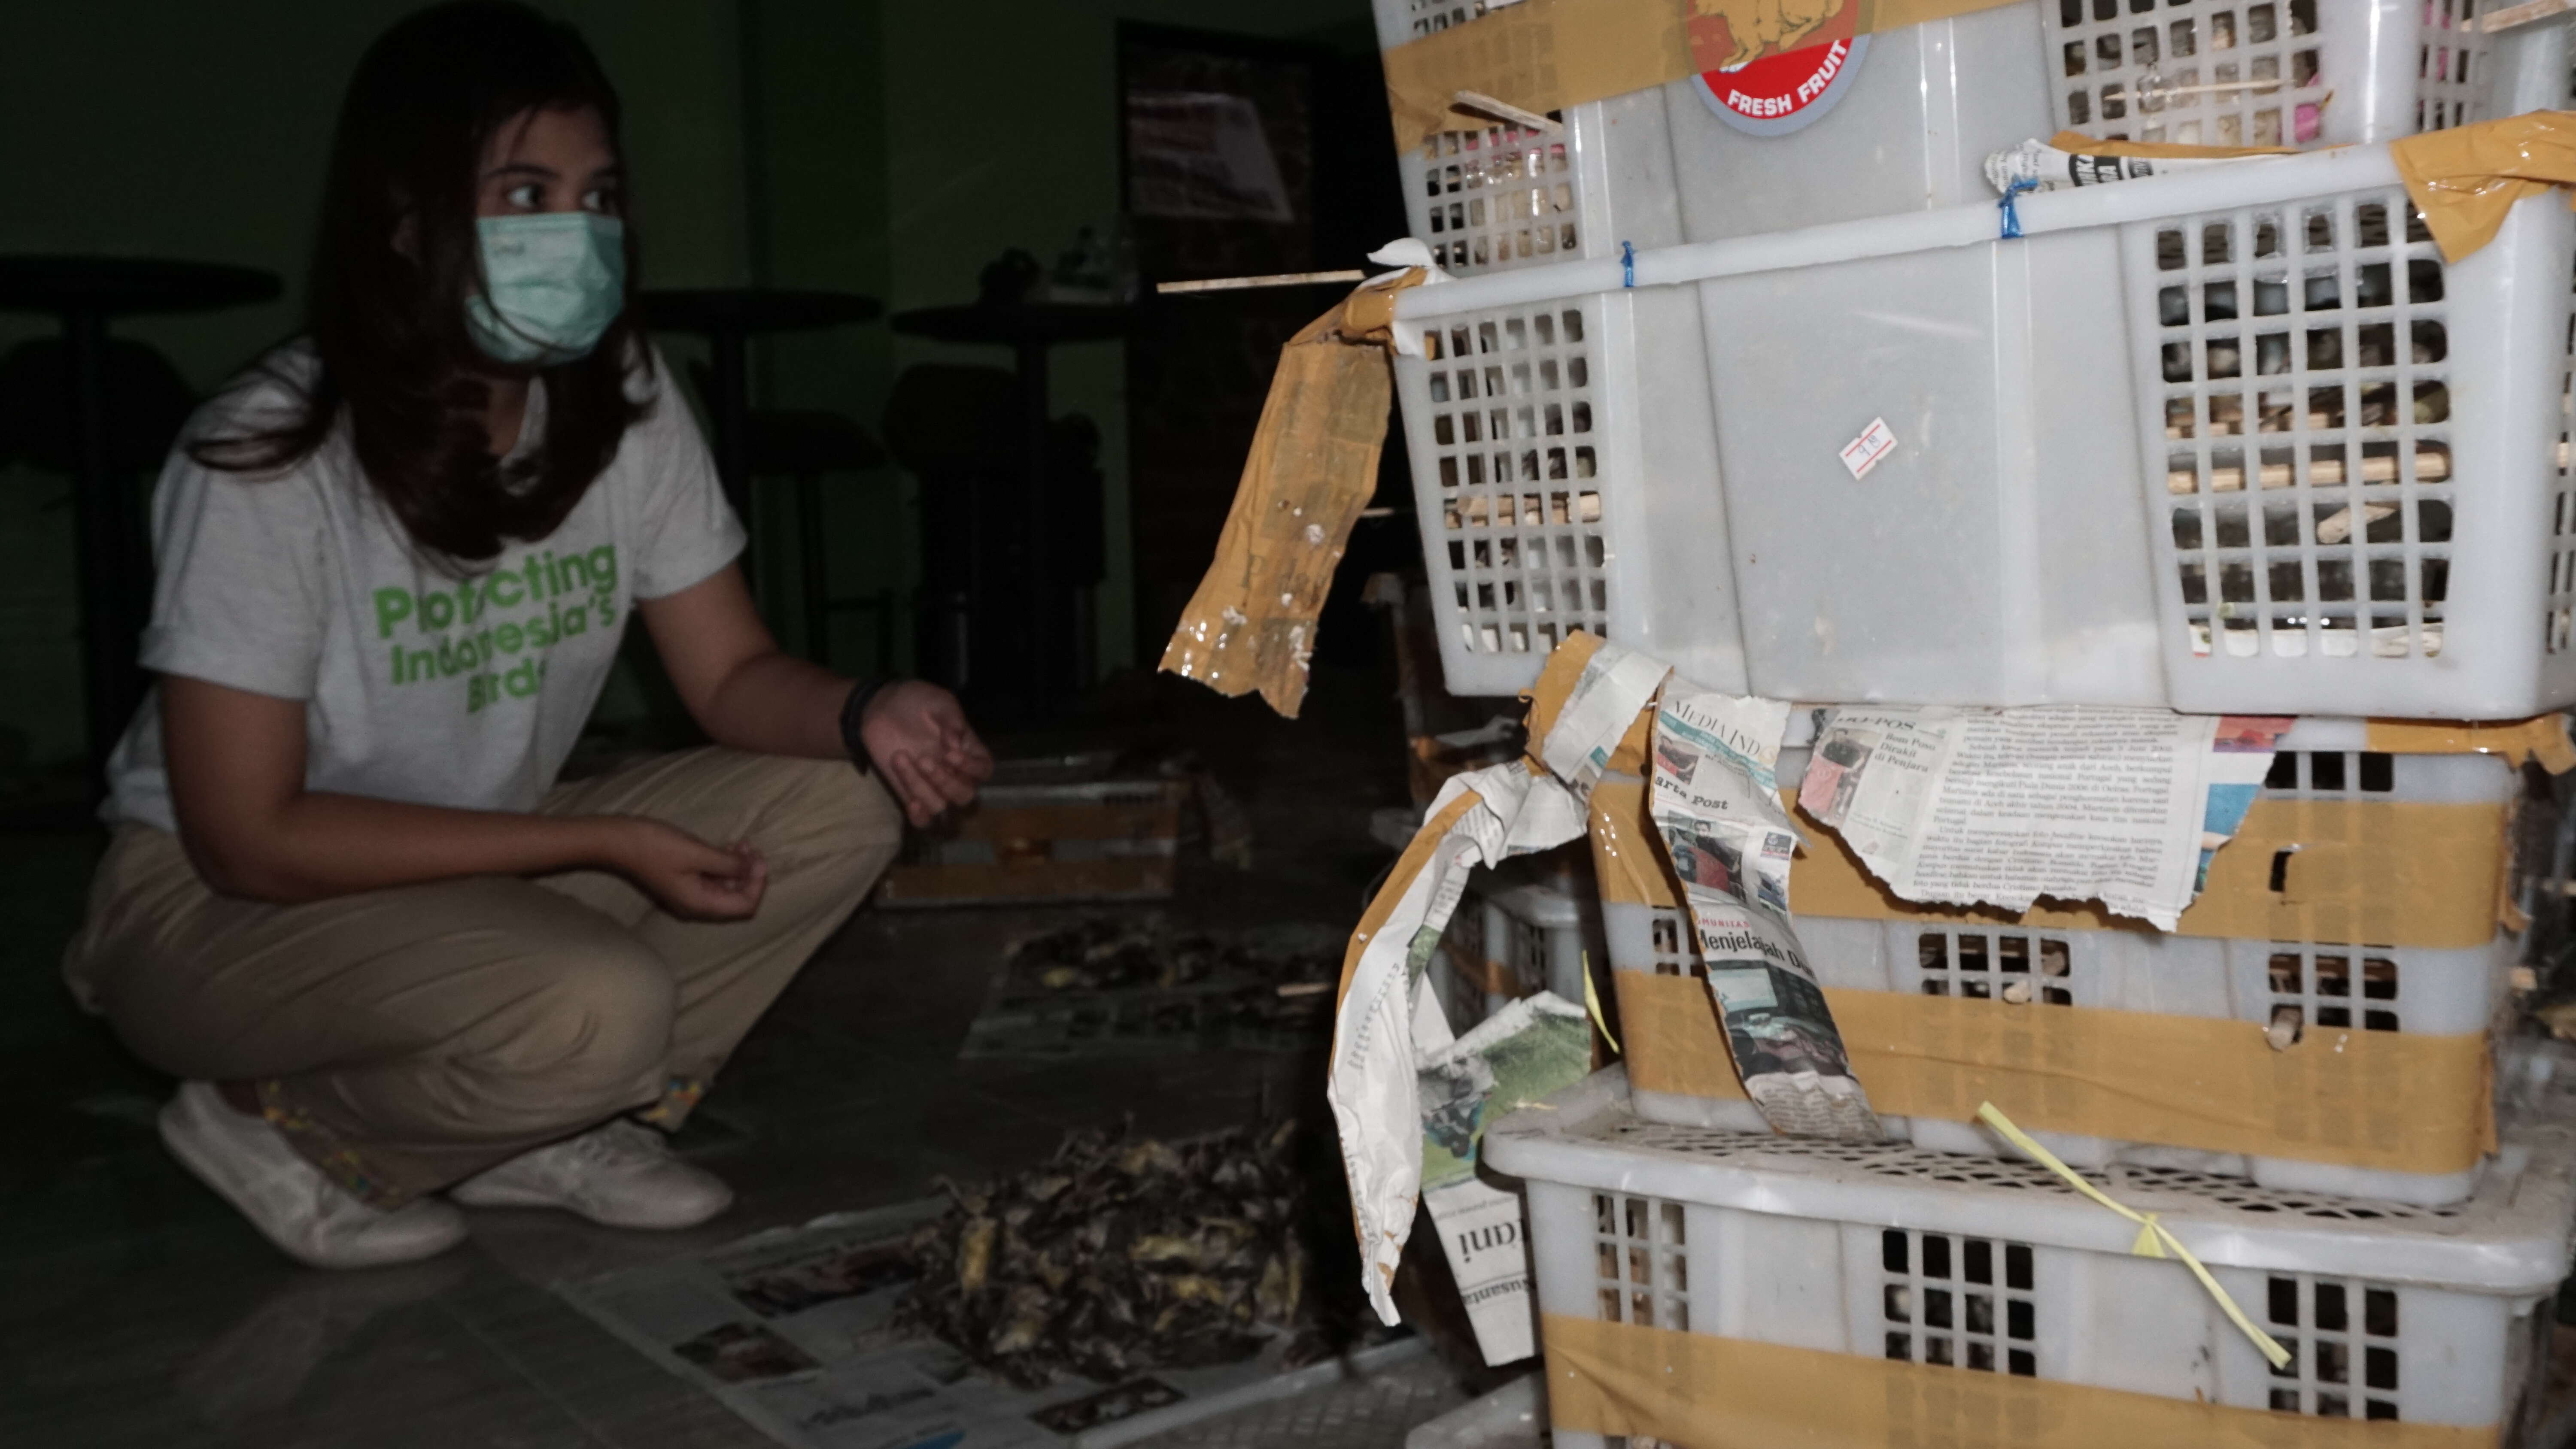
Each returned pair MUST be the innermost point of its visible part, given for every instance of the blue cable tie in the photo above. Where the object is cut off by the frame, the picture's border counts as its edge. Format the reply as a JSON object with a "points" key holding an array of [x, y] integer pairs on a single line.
{"points": [[1628, 264], [2012, 216]]}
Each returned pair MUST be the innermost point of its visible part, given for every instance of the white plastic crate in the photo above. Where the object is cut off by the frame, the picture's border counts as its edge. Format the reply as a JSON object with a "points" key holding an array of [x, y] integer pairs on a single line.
{"points": [[2406, 546], [2328, 986], [1529, 425], [2426, 1315], [2269, 72], [1533, 921]]}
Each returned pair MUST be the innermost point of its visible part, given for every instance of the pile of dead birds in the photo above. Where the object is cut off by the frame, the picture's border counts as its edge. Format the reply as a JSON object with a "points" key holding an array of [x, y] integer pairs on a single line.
{"points": [[1120, 1256], [1107, 953]]}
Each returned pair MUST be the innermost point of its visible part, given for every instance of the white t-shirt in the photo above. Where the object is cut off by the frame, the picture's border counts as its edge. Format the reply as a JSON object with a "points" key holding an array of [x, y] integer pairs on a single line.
{"points": [[422, 680]]}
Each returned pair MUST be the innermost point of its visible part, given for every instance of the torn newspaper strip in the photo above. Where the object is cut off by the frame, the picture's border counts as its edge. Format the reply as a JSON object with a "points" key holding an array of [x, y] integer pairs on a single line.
{"points": [[1388, 1022], [1715, 798], [1999, 807], [1531, 1048]]}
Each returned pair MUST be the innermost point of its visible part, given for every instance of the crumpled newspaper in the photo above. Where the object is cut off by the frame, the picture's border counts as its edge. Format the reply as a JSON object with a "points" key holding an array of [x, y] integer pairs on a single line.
{"points": [[1585, 707]]}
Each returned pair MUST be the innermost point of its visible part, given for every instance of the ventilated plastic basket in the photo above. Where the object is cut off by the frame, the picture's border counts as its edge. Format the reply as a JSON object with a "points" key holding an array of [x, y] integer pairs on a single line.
{"points": [[2318, 985], [1528, 925], [2269, 72], [1530, 428], [2424, 1315], [2232, 441]]}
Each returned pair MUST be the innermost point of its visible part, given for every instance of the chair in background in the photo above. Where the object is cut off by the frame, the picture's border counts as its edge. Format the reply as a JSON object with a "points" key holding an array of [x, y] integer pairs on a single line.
{"points": [[809, 445], [147, 403], [984, 626]]}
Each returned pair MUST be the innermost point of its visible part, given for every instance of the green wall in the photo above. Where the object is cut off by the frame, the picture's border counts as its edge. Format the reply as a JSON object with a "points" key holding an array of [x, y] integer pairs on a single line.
{"points": [[887, 148]]}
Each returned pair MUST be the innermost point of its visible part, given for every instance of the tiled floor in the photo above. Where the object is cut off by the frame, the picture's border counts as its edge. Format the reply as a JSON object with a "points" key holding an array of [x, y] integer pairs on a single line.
{"points": [[136, 1310]]}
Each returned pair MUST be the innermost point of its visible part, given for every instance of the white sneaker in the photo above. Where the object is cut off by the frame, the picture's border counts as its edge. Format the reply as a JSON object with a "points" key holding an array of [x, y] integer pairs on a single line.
{"points": [[308, 1216], [622, 1175]]}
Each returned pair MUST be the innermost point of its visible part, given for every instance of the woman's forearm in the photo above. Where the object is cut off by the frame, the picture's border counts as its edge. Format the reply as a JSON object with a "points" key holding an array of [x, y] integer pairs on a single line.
{"points": [[316, 846], [777, 704]]}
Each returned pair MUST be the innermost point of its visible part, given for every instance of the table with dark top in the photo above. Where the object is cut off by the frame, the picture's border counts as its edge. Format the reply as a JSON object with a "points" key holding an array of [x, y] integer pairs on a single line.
{"points": [[83, 293], [729, 317], [1028, 329]]}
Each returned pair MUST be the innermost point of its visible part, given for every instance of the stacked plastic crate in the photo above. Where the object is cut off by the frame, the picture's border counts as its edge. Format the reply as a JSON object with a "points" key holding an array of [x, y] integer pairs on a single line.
{"points": [[1529, 925], [2235, 441]]}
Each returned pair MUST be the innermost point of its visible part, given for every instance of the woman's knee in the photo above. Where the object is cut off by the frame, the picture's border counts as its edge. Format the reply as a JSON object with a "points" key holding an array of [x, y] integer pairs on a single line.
{"points": [[828, 803], [597, 1024]]}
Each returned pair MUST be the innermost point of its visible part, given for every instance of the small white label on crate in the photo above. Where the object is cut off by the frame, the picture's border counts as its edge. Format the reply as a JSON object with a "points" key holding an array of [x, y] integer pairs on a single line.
{"points": [[1864, 452]]}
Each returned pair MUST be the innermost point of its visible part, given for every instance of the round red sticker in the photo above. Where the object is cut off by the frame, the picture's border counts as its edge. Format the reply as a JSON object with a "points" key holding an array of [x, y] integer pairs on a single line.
{"points": [[1785, 92]]}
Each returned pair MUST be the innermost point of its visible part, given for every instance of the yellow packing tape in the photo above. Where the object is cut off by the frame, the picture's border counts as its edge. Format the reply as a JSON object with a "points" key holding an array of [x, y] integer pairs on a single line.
{"points": [[2543, 739], [1547, 55], [1728, 1393], [1312, 466], [2465, 179], [2389, 873], [2394, 874], [2391, 1101]]}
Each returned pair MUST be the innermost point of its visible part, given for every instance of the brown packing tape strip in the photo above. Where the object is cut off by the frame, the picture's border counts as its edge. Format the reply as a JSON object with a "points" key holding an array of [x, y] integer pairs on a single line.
{"points": [[1484, 973], [1417, 855], [1669, 1034], [1312, 466], [1627, 852], [1547, 55], [1556, 681], [2381, 872], [2465, 179], [2384, 872], [2390, 1101], [1625, 1379], [2542, 739]]}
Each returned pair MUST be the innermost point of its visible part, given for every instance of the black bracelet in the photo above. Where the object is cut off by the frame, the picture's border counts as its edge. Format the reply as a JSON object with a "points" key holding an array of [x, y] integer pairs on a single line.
{"points": [[852, 709]]}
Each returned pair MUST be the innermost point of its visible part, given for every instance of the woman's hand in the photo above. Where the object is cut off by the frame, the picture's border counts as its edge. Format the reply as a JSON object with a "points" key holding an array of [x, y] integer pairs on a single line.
{"points": [[917, 736], [688, 877]]}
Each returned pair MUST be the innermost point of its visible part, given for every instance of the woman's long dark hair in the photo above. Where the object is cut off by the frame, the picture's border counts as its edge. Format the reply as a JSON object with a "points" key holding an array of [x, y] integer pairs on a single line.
{"points": [[389, 321]]}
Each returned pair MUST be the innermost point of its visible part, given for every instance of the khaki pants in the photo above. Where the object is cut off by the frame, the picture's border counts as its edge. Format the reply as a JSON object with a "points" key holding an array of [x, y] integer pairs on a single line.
{"points": [[405, 1039]]}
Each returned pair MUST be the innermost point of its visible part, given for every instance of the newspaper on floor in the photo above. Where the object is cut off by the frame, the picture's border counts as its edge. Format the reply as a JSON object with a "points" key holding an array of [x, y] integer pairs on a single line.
{"points": [[794, 1330], [1715, 797], [1387, 1021], [1537, 1045], [1999, 807]]}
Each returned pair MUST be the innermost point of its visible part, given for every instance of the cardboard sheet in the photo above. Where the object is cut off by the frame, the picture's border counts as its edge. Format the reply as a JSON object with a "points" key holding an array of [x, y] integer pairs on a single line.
{"points": [[1720, 1393], [2465, 179], [2395, 1101], [1311, 469], [1547, 55]]}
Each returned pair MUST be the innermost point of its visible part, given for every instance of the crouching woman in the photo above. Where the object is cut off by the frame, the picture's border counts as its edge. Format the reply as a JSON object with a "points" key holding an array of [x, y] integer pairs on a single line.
{"points": [[397, 965]]}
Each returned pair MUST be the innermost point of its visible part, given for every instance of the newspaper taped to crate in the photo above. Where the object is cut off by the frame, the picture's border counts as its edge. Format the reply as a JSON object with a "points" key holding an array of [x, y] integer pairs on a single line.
{"points": [[2069, 159], [1998, 807], [1387, 1021], [1536, 1046], [1715, 798]]}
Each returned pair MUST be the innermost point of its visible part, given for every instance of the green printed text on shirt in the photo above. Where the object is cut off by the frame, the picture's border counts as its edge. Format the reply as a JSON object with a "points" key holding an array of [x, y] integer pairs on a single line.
{"points": [[458, 629]]}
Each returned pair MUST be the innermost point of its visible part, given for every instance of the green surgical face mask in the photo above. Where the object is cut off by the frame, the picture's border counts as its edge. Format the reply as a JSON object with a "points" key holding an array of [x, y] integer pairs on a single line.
{"points": [[555, 279]]}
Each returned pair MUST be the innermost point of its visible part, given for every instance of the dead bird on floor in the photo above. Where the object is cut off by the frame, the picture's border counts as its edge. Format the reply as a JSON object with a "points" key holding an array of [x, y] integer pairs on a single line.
{"points": [[1120, 1256], [1107, 953]]}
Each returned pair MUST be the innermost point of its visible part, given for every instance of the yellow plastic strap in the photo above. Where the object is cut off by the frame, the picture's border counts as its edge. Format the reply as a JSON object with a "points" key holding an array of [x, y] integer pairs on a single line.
{"points": [[1592, 1002], [2154, 1240]]}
